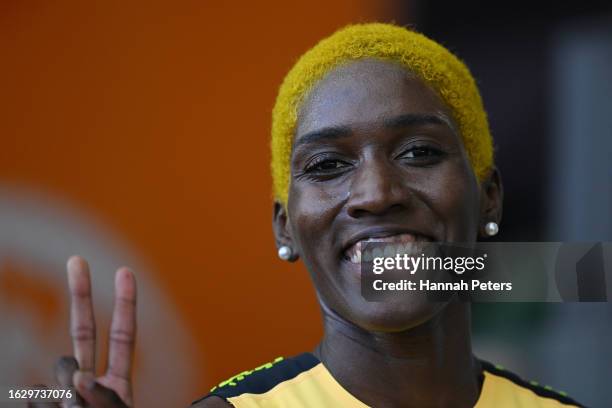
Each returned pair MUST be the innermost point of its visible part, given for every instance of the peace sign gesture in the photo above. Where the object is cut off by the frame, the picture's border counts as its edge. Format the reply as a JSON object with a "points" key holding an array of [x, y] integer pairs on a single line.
{"points": [[113, 388]]}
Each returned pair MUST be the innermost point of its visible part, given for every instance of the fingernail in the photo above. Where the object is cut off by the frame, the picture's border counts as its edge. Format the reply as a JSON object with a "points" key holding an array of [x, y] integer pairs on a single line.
{"points": [[72, 260], [122, 273]]}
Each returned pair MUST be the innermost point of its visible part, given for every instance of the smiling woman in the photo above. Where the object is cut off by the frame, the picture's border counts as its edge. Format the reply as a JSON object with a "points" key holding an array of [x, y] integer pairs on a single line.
{"points": [[379, 135]]}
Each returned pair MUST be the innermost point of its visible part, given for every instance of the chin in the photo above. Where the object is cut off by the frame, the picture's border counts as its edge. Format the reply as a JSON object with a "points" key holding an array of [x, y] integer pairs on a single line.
{"points": [[392, 316]]}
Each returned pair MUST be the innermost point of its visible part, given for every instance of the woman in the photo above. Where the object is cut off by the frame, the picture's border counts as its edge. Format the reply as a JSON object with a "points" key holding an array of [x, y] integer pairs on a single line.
{"points": [[379, 135]]}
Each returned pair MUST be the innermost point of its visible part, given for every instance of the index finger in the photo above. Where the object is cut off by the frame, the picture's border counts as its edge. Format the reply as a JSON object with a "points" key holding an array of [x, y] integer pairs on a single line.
{"points": [[82, 322]]}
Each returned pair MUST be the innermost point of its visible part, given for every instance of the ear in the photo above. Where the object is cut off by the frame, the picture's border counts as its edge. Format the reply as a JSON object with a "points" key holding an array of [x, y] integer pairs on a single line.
{"points": [[491, 200], [282, 230]]}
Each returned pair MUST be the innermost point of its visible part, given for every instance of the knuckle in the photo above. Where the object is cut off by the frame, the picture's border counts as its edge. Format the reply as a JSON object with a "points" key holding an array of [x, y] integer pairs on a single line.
{"points": [[124, 300], [83, 332], [122, 336]]}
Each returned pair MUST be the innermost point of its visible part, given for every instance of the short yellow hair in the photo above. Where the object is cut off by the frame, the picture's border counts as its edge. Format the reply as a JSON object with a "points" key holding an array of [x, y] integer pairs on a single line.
{"points": [[430, 61]]}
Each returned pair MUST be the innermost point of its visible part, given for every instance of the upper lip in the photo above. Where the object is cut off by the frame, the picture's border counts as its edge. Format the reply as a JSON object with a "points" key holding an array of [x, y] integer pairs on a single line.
{"points": [[380, 232]]}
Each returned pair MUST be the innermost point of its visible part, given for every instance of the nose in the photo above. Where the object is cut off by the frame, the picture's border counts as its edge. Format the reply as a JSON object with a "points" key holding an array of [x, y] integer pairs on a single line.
{"points": [[376, 188]]}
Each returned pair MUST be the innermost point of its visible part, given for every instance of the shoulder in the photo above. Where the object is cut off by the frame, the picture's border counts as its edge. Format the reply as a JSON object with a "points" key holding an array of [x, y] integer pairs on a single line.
{"points": [[502, 384], [259, 380]]}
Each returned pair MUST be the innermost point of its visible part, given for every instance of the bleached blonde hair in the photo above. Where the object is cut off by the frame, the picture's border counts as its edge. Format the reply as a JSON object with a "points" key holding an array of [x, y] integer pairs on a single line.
{"points": [[425, 58]]}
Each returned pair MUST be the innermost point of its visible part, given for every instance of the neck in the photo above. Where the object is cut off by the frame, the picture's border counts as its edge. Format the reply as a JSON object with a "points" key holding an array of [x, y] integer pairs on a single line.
{"points": [[430, 365]]}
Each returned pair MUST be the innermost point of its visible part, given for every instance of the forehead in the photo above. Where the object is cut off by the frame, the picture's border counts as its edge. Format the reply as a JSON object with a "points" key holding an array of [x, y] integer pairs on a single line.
{"points": [[364, 93]]}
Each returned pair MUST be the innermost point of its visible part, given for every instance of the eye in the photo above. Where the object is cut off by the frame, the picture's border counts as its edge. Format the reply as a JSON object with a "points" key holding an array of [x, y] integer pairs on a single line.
{"points": [[421, 155], [421, 151], [325, 167]]}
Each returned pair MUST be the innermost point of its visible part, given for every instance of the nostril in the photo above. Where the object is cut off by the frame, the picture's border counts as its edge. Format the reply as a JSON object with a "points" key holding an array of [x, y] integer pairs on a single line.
{"points": [[356, 213]]}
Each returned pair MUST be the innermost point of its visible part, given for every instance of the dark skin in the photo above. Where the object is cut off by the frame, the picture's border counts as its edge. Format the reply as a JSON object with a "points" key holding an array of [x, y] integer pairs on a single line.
{"points": [[376, 153]]}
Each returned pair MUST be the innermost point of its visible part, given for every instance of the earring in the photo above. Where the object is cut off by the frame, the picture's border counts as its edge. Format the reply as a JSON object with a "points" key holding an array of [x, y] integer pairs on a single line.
{"points": [[285, 253], [491, 228]]}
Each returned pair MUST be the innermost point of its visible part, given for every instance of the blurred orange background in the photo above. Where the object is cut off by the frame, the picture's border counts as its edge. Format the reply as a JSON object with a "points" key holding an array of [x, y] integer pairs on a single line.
{"points": [[153, 118]]}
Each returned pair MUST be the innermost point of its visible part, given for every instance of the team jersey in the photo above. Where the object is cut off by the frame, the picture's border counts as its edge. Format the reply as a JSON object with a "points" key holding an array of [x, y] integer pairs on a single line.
{"points": [[303, 381]]}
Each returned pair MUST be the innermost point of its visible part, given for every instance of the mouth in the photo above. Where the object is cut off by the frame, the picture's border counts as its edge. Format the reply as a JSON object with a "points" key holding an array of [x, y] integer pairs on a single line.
{"points": [[394, 244]]}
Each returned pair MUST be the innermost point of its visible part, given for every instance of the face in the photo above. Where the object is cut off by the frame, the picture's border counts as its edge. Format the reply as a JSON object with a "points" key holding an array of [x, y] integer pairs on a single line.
{"points": [[376, 157]]}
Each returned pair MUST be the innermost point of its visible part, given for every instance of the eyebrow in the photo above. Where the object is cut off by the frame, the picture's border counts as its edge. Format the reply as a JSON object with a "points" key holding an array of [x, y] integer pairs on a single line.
{"points": [[332, 132], [409, 119], [412, 119]]}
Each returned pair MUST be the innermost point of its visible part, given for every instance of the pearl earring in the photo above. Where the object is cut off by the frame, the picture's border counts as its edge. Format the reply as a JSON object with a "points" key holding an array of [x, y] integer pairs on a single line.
{"points": [[285, 253], [491, 228]]}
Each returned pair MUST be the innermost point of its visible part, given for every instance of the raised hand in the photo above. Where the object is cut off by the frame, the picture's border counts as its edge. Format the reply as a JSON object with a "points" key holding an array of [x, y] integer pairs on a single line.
{"points": [[114, 387]]}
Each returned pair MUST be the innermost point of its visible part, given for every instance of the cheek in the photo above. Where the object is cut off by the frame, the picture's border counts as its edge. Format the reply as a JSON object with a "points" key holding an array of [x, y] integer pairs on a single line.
{"points": [[312, 213], [455, 198], [312, 210]]}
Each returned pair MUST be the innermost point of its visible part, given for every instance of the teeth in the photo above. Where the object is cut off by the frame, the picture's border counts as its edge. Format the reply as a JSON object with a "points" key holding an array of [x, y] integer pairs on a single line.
{"points": [[405, 249], [403, 244], [377, 253], [356, 256]]}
